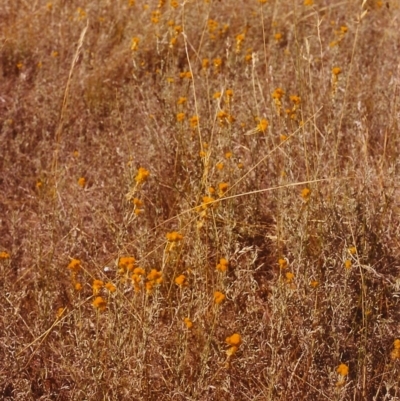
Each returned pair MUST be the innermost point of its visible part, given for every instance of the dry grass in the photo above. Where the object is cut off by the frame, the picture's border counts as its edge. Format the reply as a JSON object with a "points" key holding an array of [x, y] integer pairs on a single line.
{"points": [[285, 285]]}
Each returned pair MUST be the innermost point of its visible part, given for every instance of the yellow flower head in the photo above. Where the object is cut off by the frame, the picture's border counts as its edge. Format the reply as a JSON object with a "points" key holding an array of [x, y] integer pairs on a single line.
{"points": [[181, 280], [142, 175], [282, 263], [223, 187], [289, 277], [82, 182], [97, 286], [194, 121], [278, 93], [305, 193], [155, 276], [111, 287], [314, 284], [222, 266], [135, 43], [262, 125], [234, 339], [347, 264], [74, 265], [295, 99], [99, 303], [342, 369], [78, 286], [188, 322], [182, 100], [219, 297], [336, 71], [127, 263], [180, 117], [174, 236]]}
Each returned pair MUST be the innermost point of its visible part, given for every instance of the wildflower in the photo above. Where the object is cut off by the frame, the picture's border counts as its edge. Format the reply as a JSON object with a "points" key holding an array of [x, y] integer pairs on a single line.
{"points": [[126, 263], [305, 193], [100, 303], [314, 284], [289, 277], [111, 287], [139, 271], [180, 117], [137, 202], [206, 201], [194, 121], [60, 312], [149, 286], [81, 13], [262, 125], [222, 266], [283, 137], [135, 43], [82, 182], [278, 93], [78, 286], [336, 71], [181, 281], [229, 93], [174, 236], [347, 264], [228, 155], [219, 166], [248, 58], [142, 175], [282, 263], [278, 36], [239, 40], [395, 354], [217, 95], [234, 339], [174, 4], [182, 100], [262, 1], [74, 265], [6, 255], [219, 297], [342, 369], [188, 75], [212, 25], [223, 187], [205, 63], [155, 17], [155, 276], [136, 280], [295, 99], [308, 2], [188, 322], [217, 63], [352, 250], [97, 286]]}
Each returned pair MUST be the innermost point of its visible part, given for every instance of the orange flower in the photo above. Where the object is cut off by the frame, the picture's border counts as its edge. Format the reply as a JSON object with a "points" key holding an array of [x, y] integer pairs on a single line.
{"points": [[100, 303], [97, 286], [74, 265], [174, 236], [82, 182], [181, 281], [188, 322], [142, 175], [342, 369], [234, 340], [111, 287], [219, 297], [222, 266]]}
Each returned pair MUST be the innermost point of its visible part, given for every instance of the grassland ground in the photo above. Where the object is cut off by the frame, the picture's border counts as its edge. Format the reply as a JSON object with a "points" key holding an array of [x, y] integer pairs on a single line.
{"points": [[200, 200]]}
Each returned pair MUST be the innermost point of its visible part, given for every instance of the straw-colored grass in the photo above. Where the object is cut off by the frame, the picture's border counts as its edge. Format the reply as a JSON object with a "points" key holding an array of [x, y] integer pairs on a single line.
{"points": [[199, 200]]}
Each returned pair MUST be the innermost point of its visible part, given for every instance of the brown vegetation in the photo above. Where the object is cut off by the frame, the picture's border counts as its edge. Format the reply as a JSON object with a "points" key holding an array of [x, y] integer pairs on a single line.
{"points": [[199, 200]]}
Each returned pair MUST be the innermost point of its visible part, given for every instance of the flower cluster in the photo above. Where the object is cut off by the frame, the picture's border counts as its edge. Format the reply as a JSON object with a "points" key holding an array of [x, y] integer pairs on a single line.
{"points": [[223, 264], [234, 341]]}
